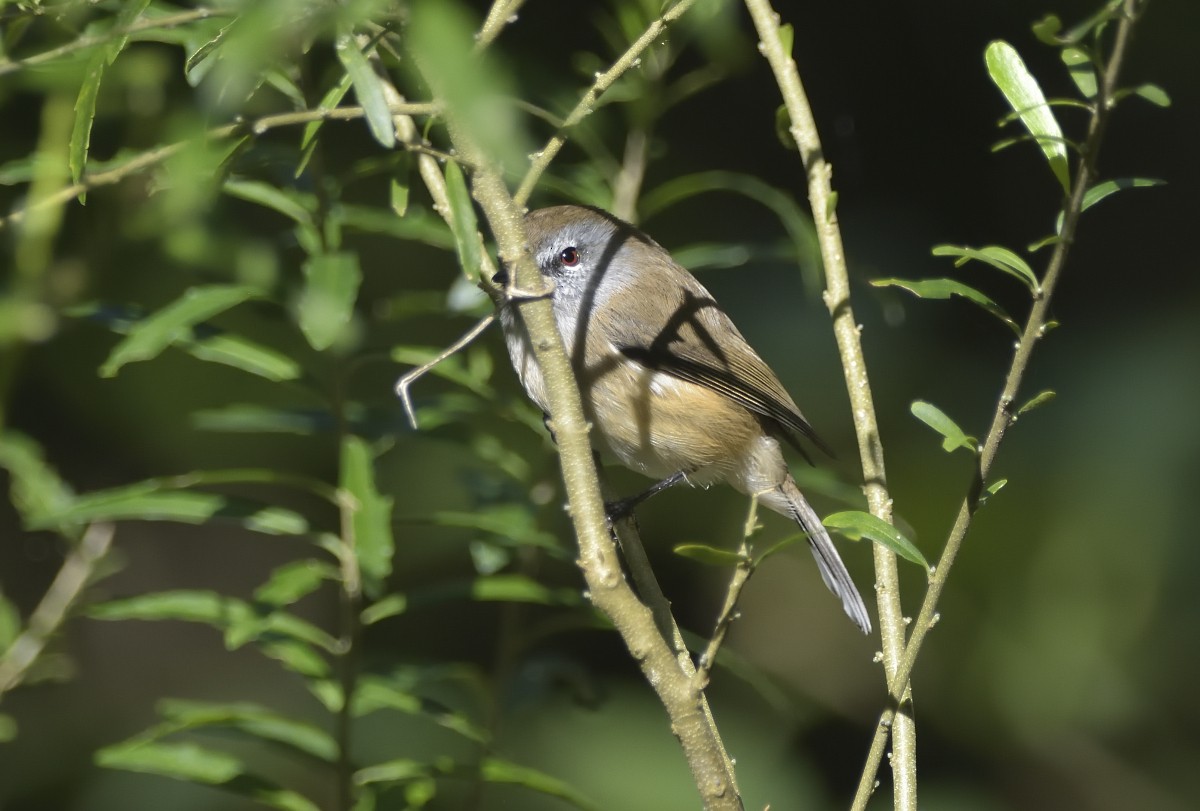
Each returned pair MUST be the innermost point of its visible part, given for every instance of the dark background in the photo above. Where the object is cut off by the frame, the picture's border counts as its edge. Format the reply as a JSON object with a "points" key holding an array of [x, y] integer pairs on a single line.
{"points": [[1063, 670]]}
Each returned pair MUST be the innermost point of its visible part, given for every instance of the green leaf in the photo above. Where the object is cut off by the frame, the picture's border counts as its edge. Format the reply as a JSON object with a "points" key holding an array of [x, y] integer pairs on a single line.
{"points": [[308, 141], [996, 486], [1025, 97], [398, 186], [183, 761], [783, 128], [1047, 28], [89, 89], [1153, 94], [10, 624], [248, 418], [856, 525], [368, 88], [1037, 400], [326, 304], [392, 605], [195, 764], [173, 323], [36, 490], [1000, 258], [85, 114], [251, 719], [291, 203], [498, 770], [8, 728], [1083, 73], [1044, 242], [454, 368], [240, 621], [936, 419], [510, 523], [516, 588], [463, 222], [1109, 187], [944, 289], [787, 36], [296, 656], [708, 554], [288, 583], [371, 516], [399, 770]]}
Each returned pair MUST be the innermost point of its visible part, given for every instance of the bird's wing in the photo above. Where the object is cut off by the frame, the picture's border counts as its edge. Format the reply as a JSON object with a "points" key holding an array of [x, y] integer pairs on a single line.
{"points": [[700, 344]]}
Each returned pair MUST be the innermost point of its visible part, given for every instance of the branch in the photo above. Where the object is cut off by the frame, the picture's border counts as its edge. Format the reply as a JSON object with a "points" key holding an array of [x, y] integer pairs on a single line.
{"points": [[152, 158], [499, 15], [858, 385], [598, 557], [84, 42], [1004, 415], [728, 614], [587, 104], [69, 583]]}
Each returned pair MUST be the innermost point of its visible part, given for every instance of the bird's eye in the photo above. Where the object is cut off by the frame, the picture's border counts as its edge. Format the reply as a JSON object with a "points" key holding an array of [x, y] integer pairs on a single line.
{"points": [[569, 257]]}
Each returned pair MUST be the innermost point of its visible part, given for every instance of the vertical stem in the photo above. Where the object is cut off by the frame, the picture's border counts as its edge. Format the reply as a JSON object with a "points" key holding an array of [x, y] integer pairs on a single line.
{"points": [[846, 330]]}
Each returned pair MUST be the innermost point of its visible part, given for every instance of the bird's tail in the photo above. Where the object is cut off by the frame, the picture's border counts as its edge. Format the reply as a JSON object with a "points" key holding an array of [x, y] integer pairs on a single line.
{"points": [[833, 571]]}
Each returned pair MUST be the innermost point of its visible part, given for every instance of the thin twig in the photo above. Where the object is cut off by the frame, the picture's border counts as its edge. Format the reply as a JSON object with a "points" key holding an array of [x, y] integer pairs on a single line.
{"points": [[412, 375], [587, 104], [84, 42], [152, 158], [1004, 414], [68, 585], [499, 15], [858, 384], [741, 574]]}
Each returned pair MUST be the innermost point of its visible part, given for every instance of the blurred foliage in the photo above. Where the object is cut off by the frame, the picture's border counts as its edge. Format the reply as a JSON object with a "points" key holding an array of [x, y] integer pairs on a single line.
{"points": [[200, 342]]}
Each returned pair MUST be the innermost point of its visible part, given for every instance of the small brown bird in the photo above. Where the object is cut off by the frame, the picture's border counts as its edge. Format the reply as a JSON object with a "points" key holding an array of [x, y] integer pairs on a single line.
{"points": [[671, 387]]}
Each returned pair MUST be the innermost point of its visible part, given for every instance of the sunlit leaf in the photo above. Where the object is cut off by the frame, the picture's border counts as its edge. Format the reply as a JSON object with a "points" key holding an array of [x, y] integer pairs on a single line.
{"points": [[10, 624], [1000, 258], [1024, 95], [944, 289], [708, 554], [1083, 73], [308, 141], [1037, 400], [418, 225], [453, 368], [368, 88], [857, 525], [935, 418], [174, 322], [331, 282], [510, 523], [371, 519], [1153, 94], [1047, 28], [398, 187], [399, 770], [8, 728]]}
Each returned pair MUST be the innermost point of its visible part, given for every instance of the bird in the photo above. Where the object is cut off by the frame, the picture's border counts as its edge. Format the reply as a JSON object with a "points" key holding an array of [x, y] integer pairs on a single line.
{"points": [[670, 386]]}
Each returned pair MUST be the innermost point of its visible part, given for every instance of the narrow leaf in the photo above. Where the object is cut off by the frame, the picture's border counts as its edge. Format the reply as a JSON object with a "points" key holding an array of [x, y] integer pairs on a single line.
{"points": [[249, 418], [1025, 97], [36, 490], [857, 525], [515, 588], [935, 418], [290, 203], [463, 222], [251, 719], [392, 605], [326, 304], [1000, 258], [85, 113], [1037, 400], [944, 289], [371, 520], [292, 581], [709, 555], [400, 770], [8, 728], [150, 501], [497, 770], [1108, 188], [308, 141], [1153, 94], [368, 89], [149, 337]]}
